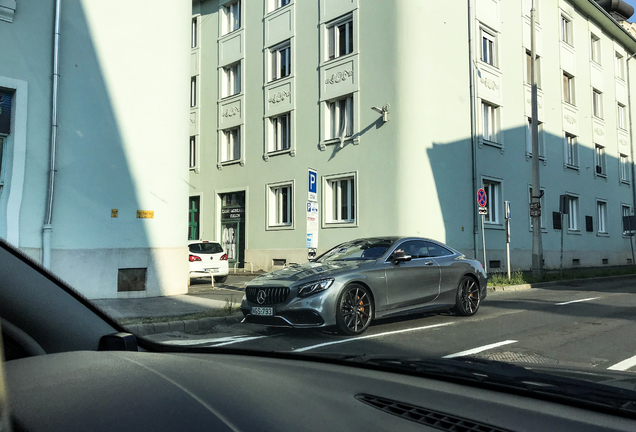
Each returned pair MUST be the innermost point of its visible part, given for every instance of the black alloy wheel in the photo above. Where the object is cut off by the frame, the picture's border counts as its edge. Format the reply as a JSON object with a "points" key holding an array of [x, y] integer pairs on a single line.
{"points": [[355, 310], [468, 297], [220, 279]]}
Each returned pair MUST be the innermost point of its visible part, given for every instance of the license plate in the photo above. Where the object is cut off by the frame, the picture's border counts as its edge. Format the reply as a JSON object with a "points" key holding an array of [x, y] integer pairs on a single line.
{"points": [[268, 311], [213, 270]]}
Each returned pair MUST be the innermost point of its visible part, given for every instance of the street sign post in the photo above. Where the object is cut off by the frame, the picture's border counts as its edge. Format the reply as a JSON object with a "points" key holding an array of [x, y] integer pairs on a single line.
{"points": [[535, 209], [507, 207], [482, 200], [313, 185]]}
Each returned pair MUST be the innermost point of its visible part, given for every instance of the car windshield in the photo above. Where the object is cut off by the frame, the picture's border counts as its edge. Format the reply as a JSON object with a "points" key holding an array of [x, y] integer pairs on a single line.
{"points": [[208, 248], [236, 174], [358, 250]]}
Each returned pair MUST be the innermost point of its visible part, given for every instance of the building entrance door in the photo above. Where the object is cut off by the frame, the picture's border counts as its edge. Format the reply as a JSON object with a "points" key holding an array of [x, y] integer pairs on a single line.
{"points": [[233, 227]]}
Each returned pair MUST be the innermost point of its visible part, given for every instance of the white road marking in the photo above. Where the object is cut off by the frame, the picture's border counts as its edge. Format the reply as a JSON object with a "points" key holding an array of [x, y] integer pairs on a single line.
{"points": [[479, 349], [577, 301], [221, 340], [370, 336], [624, 365], [239, 340]]}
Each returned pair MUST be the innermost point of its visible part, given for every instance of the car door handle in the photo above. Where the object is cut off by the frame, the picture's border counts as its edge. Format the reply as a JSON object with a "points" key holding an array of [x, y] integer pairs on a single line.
{"points": [[429, 263]]}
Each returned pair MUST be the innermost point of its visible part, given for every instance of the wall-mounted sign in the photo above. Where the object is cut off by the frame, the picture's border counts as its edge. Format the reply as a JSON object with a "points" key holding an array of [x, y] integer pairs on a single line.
{"points": [[313, 185], [145, 214], [114, 213], [233, 213], [312, 225]]}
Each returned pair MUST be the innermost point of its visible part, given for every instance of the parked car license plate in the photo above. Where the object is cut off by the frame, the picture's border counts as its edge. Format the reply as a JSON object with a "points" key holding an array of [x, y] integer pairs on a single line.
{"points": [[212, 270], [269, 311]]}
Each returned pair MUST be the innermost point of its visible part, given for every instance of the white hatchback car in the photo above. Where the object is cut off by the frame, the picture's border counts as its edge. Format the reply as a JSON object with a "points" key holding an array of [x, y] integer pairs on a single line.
{"points": [[207, 258]]}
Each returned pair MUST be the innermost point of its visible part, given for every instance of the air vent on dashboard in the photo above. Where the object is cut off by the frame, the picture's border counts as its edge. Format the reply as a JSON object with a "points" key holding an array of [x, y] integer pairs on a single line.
{"points": [[425, 416]]}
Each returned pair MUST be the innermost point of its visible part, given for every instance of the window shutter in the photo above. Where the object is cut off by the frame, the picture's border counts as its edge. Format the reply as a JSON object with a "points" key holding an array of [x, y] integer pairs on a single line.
{"points": [[556, 220], [349, 116], [589, 224], [332, 41]]}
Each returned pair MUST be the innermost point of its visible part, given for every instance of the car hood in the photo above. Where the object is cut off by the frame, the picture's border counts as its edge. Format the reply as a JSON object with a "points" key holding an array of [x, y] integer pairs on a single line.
{"points": [[310, 271]]}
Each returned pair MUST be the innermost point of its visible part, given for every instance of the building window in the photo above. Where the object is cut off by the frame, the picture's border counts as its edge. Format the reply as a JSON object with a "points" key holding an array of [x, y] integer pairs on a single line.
{"points": [[193, 92], [571, 151], [490, 121], [276, 4], [488, 47], [601, 212], [541, 203], [193, 152], [280, 61], [537, 66], [599, 160], [626, 211], [623, 168], [194, 37], [529, 138], [231, 80], [566, 30], [231, 17], [340, 115], [621, 119], [340, 38], [568, 88], [573, 213], [620, 66], [493, 194], [596, 49], [597, 103], [280, 132], [231, 145], [194, 218], [340, 200], [280, 205]]}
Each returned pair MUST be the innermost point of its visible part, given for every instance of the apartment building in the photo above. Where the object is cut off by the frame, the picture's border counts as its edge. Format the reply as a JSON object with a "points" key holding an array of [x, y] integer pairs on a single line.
{"points": [[404, 109]]}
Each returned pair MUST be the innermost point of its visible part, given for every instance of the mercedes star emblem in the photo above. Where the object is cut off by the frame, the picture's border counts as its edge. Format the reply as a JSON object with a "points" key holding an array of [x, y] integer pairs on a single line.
{"points": [[261, 297]]}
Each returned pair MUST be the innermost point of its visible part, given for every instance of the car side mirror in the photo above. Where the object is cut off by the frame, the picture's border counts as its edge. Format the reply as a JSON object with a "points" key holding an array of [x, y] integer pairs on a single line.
{"points": [[401, 256]]}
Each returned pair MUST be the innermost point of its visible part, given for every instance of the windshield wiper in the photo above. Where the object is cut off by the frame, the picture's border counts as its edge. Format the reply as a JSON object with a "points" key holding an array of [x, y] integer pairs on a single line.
{"points": [[500, 375]]}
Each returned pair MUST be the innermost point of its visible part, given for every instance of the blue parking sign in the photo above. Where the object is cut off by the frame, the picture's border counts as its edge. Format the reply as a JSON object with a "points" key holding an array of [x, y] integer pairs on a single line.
{"points": [[313, 185]]}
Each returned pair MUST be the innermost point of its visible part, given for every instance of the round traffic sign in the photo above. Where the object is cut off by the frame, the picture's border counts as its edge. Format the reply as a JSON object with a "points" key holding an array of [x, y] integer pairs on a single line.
{"points": [[482, 198]]}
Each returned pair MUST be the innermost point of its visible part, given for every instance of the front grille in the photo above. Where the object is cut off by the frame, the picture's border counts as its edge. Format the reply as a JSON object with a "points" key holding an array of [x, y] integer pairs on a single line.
{"points": [[435, 419], [273, 295]]}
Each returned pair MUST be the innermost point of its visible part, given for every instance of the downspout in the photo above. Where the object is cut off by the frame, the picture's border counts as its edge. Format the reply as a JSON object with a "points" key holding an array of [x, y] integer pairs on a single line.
{"points": [[631, 136], [473, 122], [48, 227]]}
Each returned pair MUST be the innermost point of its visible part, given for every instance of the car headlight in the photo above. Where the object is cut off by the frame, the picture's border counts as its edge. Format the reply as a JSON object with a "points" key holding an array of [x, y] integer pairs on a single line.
{"points": [[314, 287]]}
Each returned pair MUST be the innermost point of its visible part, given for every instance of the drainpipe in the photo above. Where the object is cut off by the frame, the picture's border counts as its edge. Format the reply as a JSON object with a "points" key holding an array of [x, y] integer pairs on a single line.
{"points": [[48, 227], [473, 121], [631, 147]]}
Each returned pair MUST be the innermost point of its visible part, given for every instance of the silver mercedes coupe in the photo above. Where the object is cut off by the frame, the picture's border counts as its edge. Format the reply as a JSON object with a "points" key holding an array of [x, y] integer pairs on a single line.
{"points": [[361, 280]]}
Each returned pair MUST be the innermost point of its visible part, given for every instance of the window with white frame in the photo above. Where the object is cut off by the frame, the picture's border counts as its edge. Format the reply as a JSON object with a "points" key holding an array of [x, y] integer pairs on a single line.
{"points": [[340, 38], [529, 138], [488, 47], [597, 103], [571, 151], [280, 132], [599, 160], [621, 118], [276, 4], [573, 213], [193, 92], [231, 80], [231, 17], [493, 194], [623, 168], [620, 66], [595, 48], [280, 205], [231, 145], [193, 152], [194, 36], [340, 118], [625, 211], [537, 66], [490, 121], [601, 215], [340, 199], [541, 203], [280, 61], [568, 88], [566, 30]]}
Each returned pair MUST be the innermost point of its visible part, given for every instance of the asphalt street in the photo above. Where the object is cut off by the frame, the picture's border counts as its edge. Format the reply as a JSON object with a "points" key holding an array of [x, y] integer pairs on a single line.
{"points": [[589, 324]]}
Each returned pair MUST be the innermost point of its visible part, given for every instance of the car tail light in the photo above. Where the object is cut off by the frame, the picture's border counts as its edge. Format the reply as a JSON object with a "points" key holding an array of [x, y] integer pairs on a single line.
{"points": [[194, 258], [224, 257]]}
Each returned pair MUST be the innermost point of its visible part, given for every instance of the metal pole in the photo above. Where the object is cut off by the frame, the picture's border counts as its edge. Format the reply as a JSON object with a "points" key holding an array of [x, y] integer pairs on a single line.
{"points": [[473, 121], [537, 247], [508, 246], [483, 240], [562, 229]]}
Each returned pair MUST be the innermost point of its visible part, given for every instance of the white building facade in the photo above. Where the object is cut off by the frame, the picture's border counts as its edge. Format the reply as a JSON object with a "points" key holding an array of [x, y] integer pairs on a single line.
{"points": [[382, 100]]}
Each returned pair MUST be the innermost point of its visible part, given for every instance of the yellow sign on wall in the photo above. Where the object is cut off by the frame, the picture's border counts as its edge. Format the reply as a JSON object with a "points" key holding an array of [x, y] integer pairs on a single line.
{"points": [[114, 213], [145, 214]]}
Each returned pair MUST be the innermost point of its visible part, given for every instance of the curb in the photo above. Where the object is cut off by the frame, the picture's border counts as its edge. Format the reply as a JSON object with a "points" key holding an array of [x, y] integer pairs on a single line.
{"points": [[524, 287], [185, 326]]}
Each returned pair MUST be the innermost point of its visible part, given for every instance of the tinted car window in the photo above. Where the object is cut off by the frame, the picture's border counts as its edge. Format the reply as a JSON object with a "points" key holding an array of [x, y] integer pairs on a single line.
{"points": [[415, 248], [206, 248], [435, 250], [357, 250]]}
